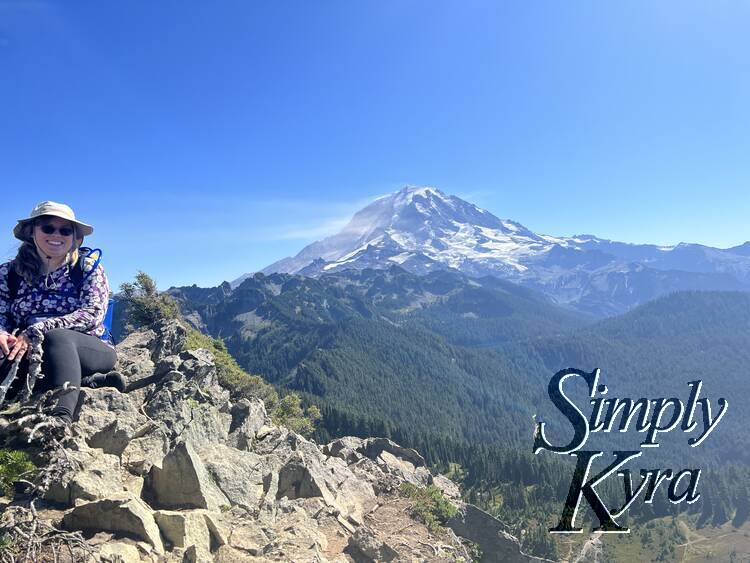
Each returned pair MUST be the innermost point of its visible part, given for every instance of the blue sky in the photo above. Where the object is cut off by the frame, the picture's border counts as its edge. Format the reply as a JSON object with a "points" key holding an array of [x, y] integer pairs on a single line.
{"points": [[207, 139]]}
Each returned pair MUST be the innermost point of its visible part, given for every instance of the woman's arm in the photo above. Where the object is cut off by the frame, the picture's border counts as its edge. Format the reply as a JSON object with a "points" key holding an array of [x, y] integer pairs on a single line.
{"points": [[94, 300], [5, 320]]}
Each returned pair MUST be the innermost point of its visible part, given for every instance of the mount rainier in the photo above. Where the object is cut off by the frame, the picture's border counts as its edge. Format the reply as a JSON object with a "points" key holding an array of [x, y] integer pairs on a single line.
{"points": [[421, 229]]}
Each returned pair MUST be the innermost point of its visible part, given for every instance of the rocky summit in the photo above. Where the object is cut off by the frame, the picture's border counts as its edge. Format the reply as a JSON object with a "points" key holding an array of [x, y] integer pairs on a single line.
{"points": [[175, 470]]}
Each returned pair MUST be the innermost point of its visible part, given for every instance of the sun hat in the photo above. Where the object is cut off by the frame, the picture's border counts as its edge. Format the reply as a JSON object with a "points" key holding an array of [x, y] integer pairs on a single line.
{"points": [[56, 210]]}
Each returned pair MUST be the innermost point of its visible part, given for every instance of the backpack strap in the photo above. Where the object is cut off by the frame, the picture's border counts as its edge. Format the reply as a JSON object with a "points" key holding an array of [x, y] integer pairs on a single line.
{"points": [[78, 274], [13, 281]]}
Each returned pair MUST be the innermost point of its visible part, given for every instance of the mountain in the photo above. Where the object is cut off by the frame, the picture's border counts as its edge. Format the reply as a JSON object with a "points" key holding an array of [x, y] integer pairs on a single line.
{"points": [[458, 368], [467, 357], [654, 351], [424, 230], [416, 347]]}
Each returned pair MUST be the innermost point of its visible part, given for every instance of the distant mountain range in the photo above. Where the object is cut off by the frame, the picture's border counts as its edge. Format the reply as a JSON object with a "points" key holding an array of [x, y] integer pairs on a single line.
{"points": [[423, 230]]}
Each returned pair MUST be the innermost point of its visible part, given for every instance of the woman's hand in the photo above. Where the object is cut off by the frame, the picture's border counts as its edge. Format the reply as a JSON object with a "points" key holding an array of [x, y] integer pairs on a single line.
{"points": [[19, 347], [6, 343]]}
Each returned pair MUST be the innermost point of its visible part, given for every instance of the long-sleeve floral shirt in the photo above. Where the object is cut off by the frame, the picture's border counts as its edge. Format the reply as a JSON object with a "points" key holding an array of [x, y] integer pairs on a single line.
{"points": [[57, 304]]}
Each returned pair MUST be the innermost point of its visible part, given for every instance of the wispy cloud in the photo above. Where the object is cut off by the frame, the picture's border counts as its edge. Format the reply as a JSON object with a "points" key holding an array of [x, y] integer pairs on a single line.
{"points": [[246, 221], [312, 231]]}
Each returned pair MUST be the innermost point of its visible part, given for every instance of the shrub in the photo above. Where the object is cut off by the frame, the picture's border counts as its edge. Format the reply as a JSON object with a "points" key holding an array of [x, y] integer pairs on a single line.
{"points": [[231, 376], [290, 413], [13, 465], [145, 304], [430, 506]]}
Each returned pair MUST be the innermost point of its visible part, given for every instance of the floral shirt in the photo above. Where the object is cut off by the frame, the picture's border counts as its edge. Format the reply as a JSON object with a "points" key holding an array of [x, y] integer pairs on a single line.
{"points": [[41, 308]]}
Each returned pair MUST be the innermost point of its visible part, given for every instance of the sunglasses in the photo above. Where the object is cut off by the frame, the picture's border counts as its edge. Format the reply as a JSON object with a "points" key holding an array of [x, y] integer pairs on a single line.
{"points": [[50, 230]]}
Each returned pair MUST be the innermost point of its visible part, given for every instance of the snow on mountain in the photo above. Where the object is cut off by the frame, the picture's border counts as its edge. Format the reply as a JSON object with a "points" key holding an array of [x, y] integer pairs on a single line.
{"points": [[422, 229]]}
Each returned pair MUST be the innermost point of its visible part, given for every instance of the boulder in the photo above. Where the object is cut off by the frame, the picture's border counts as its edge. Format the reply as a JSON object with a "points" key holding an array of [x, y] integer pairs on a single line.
{"points": [[184, 528], [182, 481], [134, 355], [96, 476], [308, 473], [190, 411], [347, 448], [122, 514], [108, 419], [489, 534], [196, 554], [119, 552], [238, 474], [366, 544], [170, 339], [248, 417], [198, 365], [141, 454]]}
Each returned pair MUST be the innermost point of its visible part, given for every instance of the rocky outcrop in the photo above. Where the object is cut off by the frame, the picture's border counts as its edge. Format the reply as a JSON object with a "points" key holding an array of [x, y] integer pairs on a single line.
{"points": [[174, 470]]}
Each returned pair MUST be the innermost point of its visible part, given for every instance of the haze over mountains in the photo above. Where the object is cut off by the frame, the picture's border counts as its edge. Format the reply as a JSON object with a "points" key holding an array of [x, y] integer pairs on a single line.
{"points": [[422, 230]]}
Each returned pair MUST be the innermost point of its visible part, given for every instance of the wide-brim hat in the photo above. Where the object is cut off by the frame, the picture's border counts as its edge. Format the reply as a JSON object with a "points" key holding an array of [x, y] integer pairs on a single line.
{"points": [[55, 210]]}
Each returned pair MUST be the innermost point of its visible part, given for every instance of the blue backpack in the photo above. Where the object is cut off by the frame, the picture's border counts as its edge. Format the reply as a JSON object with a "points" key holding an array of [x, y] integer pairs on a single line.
{"points": [[78, 275]]}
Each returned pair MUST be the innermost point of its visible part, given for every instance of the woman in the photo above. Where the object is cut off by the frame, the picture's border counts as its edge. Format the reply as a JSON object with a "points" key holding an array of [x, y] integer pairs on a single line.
{"points": [[41, 299]]}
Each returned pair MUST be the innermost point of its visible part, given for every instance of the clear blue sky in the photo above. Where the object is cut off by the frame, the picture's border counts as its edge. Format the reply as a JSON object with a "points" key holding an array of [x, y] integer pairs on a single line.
{"points": [[207, 139]]}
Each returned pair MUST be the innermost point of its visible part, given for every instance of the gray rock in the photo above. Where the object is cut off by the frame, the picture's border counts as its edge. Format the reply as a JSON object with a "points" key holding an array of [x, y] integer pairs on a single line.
{"points": [[184, 528], [373, 447], [489, 534], [228, 554], [195, 554], [96, 476], [199, 366], [170, 339], [119, 552], [308, 473], [248, 417], [183, 482], [192, 420], [238, 474], [167, 364], [121, 514], [141, 454], [367, 545], [347, 448], [134, 355], [449, 489], [108, 419]]}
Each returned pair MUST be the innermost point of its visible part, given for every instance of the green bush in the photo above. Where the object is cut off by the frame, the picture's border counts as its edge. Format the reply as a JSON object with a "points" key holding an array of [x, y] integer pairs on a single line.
{"points": [[430, 506], [13, 465], [5, 544], [290, 413], [231, 376], [145, 304]]}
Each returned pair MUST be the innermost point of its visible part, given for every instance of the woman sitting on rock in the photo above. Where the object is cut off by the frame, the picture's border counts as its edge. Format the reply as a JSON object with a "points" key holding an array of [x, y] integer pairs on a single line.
{"points": [[43, 300]]}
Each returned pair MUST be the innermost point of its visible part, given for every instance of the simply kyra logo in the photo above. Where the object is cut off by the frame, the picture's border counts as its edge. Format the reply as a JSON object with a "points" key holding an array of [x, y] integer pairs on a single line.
{"points": [[666, 415]]}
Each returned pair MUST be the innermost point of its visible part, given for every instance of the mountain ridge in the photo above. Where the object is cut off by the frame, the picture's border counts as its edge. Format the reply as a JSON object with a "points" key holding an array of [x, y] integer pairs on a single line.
{"points": [[423, 230]]}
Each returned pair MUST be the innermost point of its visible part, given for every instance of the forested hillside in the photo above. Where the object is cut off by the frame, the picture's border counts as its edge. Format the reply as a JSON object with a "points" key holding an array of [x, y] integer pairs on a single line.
{"points": [[457, 368]]}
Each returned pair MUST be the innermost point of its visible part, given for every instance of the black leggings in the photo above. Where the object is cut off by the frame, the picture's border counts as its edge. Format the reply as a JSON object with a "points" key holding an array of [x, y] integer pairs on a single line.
{"points": [[68, 356]]}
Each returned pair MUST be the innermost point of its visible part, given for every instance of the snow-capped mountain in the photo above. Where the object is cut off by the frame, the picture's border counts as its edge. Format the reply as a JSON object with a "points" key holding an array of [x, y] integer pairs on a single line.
{"points": [[422, 229]]}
